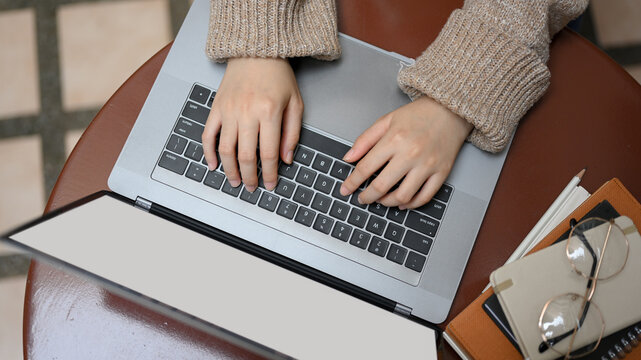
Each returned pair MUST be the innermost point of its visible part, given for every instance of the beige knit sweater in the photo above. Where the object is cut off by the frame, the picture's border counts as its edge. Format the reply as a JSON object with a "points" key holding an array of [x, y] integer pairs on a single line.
{"points": [[487, 65]]}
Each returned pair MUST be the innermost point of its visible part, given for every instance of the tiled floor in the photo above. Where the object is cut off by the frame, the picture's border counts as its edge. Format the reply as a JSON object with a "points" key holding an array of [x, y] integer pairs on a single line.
{"points": [[68, 57]]}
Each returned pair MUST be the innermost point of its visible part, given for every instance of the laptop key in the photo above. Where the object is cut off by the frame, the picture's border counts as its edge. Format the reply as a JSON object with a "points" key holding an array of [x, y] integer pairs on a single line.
{"points": [[376, 225], [303, 195], [396, 214], [287, 209], [176, 144], [417, 242], [210, 102], [288, 171], [397, 254], [378, 209], [324, 184], [421, 223], [322, 163], [340, 170], [303, 155], [444, 193], [173, 162], [321, 203], [341, 231], [433, 208], [354, 200], [285, 188], [199, 94], [194, 151], [250, 197], [268, 201], [323, 224], [189, 129], [305, 216], [196, 172], [360, 239], [378, 246], [339, 210], [394, 232], [357, 218], [214, 179], [337, 192], [195, 112], [415, 261], [306, 176], [230, 190]]}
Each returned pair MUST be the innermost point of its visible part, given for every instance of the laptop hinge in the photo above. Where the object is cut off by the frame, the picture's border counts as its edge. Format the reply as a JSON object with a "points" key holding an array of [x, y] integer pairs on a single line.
{"points": [[402, 310], [143, 203]]}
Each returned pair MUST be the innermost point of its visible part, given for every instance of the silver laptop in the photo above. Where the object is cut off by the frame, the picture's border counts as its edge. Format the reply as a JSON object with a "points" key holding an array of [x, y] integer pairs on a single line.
{"points": [[408, 261]]}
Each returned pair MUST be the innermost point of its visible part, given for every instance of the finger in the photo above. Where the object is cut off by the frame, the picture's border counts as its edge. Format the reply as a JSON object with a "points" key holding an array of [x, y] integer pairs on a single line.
{"points": [[406, 191], [373, 161], [381, 185], [426, 193], [269, 144], [367, 139], [247, 141], [227, 151], [291, 128], [212, 127]]}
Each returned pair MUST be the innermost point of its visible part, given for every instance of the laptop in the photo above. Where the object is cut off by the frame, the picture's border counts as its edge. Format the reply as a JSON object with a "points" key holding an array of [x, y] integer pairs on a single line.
{"points": [[410, 262], [214, 287]]}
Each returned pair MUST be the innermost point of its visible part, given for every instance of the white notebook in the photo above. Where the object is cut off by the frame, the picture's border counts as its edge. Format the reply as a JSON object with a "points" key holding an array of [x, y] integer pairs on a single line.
{"points": [[524, 286]]}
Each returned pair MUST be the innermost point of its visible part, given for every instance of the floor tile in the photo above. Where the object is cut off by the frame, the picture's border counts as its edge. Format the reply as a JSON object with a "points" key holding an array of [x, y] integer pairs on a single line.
{"points": [[102, 43], [19, 93], [21, 181], [635, 71], [11, 306], [71, 138], [617, 22]]}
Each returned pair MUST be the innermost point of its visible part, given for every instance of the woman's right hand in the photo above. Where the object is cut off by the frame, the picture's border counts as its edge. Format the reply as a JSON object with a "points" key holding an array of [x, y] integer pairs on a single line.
{"points": [[257, 99]]}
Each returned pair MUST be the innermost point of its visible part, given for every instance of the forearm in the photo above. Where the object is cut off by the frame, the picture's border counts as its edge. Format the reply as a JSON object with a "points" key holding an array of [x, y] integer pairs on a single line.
{"points": [[488, 64], [272, 28]]}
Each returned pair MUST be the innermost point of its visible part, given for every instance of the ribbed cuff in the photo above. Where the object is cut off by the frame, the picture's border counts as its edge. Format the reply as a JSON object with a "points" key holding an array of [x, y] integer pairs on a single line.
{"points": [[273, 28], [482, 75]]}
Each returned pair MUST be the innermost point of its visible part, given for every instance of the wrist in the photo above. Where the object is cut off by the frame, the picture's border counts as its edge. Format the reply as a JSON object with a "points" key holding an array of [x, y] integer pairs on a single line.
{"points": [[459, 127]]}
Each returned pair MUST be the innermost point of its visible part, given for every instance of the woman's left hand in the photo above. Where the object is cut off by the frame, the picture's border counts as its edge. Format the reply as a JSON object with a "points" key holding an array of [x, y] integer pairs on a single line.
{"points": [[416, 143]]}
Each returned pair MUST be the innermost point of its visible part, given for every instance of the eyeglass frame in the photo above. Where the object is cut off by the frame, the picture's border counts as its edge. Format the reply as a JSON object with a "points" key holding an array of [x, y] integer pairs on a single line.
{"points": [[590, 288]]}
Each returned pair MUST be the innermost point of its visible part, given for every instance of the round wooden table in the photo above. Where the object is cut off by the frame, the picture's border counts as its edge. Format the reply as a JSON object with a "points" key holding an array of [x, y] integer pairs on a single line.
{"points": [[590, 117]]}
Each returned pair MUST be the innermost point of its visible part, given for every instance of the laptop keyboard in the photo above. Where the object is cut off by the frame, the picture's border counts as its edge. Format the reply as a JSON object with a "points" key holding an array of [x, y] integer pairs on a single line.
{"points": [[307, 194]]}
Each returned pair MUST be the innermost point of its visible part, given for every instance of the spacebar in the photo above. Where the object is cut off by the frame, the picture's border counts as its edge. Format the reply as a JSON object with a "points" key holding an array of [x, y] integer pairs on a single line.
{"points": [[322, 143]]}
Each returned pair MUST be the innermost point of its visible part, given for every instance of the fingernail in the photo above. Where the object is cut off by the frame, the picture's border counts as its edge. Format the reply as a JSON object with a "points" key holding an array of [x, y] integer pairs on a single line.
{"points": [[234, 183], [344, 190], [348, 155], [402, 207], [360, 199], [270, 185], [251, 189], [211, 167], [290, 156]]}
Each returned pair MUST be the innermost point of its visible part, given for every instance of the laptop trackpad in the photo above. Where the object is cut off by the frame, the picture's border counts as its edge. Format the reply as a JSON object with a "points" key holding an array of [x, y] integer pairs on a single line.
{"points": [[249, 297]]}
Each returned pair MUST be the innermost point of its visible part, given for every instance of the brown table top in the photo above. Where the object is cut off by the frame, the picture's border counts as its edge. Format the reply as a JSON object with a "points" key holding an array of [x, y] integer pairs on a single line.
{"points": [[590, 117]]}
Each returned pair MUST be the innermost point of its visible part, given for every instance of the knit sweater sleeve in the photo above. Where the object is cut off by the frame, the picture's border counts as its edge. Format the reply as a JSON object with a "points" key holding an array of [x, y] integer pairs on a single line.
{"points": [[272, 28], [488, 64]]}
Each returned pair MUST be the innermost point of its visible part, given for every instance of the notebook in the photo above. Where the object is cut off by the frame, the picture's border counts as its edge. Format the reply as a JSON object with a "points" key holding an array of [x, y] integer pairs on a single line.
{"points": [[515, 285], [411, 259], [222, 290]]}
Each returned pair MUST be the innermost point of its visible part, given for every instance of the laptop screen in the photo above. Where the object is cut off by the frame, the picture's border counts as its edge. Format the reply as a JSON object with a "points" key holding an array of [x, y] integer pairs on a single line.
{"points": [[249, 301]]}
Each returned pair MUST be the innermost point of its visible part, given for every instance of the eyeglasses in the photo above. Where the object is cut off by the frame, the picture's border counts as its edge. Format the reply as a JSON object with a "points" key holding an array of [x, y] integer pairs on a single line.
{"points": [[572, 318]]}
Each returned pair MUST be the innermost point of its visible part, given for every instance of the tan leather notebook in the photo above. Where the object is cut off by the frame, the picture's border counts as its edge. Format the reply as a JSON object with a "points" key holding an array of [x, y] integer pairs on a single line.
{"points": [[524, 286], [477, 335]]}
